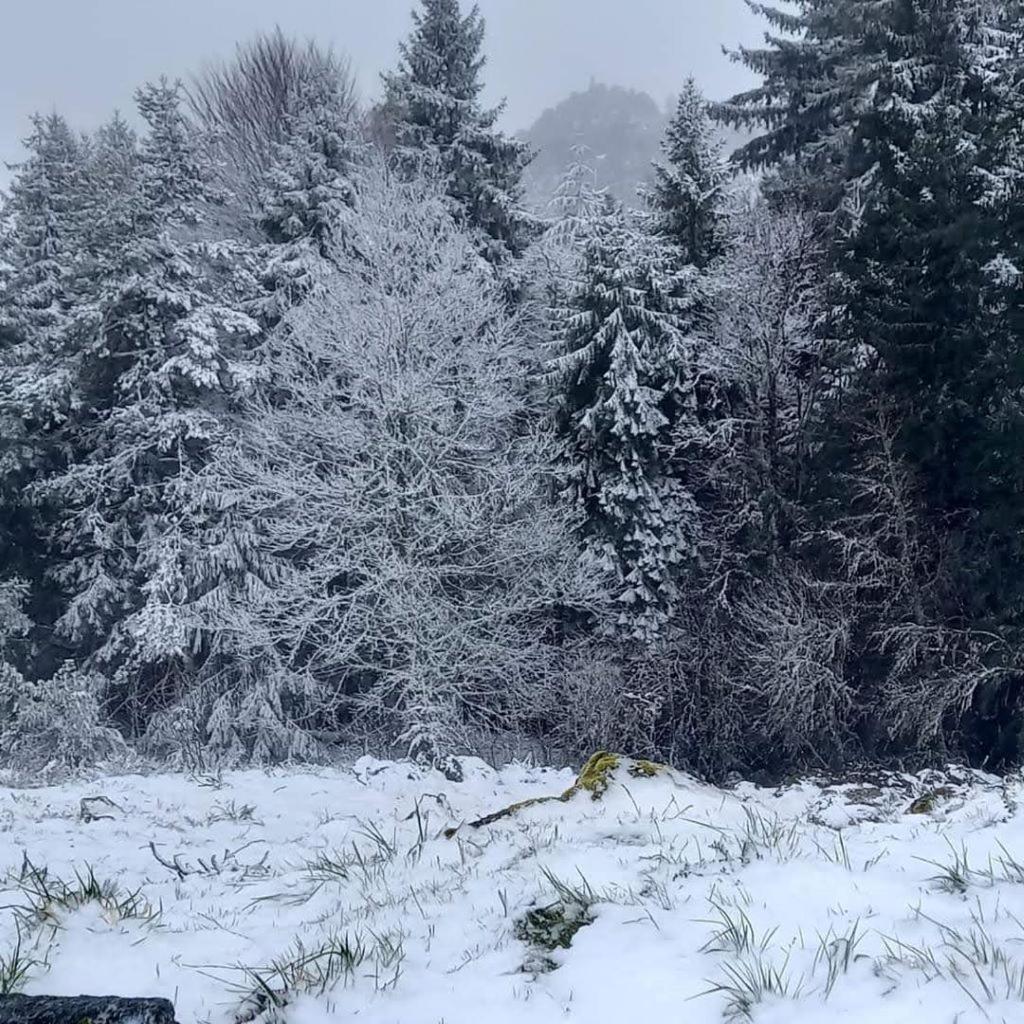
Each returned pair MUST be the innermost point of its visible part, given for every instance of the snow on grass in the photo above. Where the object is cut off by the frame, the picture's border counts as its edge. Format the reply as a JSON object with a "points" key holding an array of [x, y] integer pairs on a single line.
{"points": [[317, 895]]}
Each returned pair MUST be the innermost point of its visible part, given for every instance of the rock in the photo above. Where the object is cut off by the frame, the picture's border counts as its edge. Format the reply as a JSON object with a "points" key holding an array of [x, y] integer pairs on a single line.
{"points": [[84, 1010], [597, 774], [927, 802], [450, 768]]}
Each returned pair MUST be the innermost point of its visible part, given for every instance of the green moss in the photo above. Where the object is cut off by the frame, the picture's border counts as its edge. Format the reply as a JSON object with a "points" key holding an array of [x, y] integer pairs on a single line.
{"points": [[927, 802], [595, 777], [545, 929], [645, 769]]}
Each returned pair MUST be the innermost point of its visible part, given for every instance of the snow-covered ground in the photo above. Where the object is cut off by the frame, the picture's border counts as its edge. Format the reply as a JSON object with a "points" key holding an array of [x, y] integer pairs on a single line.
{"points": [[327, 895]]}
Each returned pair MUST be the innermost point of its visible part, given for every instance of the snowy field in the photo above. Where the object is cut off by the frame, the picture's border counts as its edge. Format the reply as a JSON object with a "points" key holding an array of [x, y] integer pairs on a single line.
{"points": [[335, 895]]}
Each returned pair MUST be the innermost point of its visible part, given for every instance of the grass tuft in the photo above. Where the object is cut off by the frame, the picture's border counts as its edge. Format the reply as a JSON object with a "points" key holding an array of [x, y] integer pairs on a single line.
{"points": [[267, 992], [749, 981], [46, 898], [16, 966]]}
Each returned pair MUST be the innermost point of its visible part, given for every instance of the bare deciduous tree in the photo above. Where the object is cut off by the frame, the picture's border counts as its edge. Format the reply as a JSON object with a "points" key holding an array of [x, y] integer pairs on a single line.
{"points": [[767, 361], [418, 562], [247, 105]]}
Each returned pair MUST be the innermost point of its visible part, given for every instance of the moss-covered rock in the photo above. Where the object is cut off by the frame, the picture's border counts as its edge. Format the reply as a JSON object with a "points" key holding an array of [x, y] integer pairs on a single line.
{"points": [[927, 802], [595, 776], [599, 772], [552, 927]]}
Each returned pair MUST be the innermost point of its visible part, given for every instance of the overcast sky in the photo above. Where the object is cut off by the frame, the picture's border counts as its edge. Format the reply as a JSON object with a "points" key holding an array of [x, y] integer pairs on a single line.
{"points": [[85, 57]]}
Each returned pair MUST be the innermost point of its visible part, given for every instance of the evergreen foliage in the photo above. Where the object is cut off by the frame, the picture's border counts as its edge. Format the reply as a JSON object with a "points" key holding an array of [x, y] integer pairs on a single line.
{"points": [[620, 375], [735, 481], [687, 195], [901, 109], [150, 360], [433, 108]]}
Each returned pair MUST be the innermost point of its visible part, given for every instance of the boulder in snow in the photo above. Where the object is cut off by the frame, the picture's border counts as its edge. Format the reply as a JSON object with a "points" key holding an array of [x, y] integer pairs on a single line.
{"points": [[76, 1009]]}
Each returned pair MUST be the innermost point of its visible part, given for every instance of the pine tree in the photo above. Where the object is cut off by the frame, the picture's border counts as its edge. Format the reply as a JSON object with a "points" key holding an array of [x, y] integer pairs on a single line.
{"points": [[433, 107], [620, 381], [686, 198]]}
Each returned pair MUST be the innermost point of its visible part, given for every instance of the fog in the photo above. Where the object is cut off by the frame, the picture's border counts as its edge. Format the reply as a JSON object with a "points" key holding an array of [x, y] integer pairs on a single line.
{"points": [[84, 59]]}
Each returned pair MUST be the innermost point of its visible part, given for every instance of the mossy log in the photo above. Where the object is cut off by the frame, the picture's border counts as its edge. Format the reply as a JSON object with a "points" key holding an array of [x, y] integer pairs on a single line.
{"points": [[594, 778]]}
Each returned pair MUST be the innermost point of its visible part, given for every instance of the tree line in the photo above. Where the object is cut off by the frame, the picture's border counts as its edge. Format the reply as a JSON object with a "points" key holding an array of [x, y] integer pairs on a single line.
{"points": [[312, 434]]}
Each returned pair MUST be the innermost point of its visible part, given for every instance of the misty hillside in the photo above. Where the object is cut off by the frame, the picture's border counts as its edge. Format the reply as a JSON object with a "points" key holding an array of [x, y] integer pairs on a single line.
{"points": [[622, 128]]}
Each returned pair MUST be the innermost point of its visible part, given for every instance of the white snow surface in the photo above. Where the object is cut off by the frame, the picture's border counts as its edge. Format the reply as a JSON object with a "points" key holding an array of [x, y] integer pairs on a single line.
{"points": [[849, 907]]}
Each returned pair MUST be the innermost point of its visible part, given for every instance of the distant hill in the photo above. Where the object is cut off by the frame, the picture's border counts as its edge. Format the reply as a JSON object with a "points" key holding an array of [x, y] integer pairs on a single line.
{"points": [[621, 127]]}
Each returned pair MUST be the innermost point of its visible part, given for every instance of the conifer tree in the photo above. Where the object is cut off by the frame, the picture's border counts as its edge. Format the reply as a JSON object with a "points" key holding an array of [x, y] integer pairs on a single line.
{"points": [[434, 110], [151, 376], [619, 383], [40, 295], [837, 70], [578, 204], [898, 112], [575, 210], [687, 205], [686, 198], [308, 192], [112, 199], [802, 102], [42, 209]]}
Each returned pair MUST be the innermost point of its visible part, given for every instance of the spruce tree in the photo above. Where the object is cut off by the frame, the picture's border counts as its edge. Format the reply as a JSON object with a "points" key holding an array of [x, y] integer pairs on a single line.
{"points": [[308, 191], [39, 302], [42, 211], [686, 198], [833, 69], [620, 381], [151, 370], [901, 117], [112, 199], [434, 110], [575, 210]]}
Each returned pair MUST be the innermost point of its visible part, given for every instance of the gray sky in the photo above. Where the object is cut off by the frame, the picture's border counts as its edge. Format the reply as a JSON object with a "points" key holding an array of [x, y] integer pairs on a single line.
{"points": [[85, 57]]}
